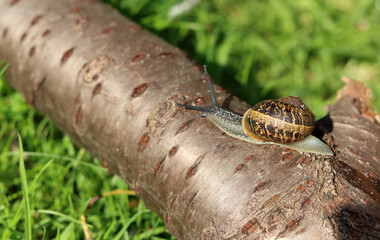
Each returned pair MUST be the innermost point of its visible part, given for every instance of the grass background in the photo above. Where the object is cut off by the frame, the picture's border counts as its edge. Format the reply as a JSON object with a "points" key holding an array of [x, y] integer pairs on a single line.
{"points": [[255, 49]]}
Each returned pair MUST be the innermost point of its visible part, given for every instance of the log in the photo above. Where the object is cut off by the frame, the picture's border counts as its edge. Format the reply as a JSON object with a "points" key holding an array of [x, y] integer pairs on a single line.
{"points": [[112, 87]]}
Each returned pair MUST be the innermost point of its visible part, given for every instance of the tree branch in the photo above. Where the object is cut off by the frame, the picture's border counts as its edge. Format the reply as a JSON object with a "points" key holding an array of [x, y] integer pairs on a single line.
{"points": [[112, 87]]}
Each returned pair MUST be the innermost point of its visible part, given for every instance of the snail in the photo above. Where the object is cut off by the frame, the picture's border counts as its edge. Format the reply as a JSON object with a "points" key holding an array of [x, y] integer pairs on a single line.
{"points": [[285, 122]]}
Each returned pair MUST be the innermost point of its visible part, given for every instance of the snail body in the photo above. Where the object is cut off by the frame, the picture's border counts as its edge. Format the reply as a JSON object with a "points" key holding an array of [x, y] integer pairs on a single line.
{"points": [[285, 122]]}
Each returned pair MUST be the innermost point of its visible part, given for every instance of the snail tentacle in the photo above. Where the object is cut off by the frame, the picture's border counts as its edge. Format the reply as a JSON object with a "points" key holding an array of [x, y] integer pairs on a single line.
{"points": [[200, 109], [213, 98]]}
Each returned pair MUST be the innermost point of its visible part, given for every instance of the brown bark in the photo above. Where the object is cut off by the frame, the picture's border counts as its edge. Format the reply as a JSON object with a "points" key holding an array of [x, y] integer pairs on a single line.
{"points": [[112, 87]]}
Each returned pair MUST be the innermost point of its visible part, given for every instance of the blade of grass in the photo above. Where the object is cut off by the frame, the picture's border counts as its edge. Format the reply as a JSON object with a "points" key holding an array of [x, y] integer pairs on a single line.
{"points": [[16, 218], [123, 232], [107, 234], [44, 236], [15, 233], [33, 185], [54, 156], [68, 232], [17, 215], [50, 212], [93, 200], [149, 233], [58, 237], [25, 193], [3, 68]]}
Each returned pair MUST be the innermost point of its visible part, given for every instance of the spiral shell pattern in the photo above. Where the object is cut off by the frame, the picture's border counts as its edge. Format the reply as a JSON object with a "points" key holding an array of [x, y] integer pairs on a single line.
{"points": [[283, 120]]}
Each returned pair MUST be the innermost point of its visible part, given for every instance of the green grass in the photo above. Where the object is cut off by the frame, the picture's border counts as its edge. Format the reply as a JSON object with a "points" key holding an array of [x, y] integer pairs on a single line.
{"points": [[255, 49], [25, 193], [269, 49]]}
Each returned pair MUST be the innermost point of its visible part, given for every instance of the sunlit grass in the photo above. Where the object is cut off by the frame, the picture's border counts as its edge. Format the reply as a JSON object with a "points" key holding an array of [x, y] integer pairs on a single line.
{"points": [[25, 194], [269, 49]]}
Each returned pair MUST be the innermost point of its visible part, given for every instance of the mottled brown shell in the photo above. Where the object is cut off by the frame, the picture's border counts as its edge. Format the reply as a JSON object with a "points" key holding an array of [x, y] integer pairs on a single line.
{"points": [[283, 120]]}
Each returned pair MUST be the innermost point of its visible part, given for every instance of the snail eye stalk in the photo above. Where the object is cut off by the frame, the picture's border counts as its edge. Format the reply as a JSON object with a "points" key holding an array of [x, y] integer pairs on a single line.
{"points": [[200, 109], [213, 98]]}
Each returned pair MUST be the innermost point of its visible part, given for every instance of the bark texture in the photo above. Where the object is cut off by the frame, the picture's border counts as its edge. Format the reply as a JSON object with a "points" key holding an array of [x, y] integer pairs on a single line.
{"points": [[112, 87]]}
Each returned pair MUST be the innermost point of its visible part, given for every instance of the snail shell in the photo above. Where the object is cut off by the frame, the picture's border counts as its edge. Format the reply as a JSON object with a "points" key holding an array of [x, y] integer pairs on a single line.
{"points": [[283, 120]]}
